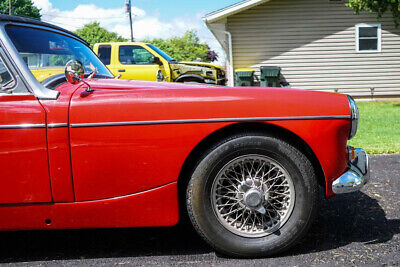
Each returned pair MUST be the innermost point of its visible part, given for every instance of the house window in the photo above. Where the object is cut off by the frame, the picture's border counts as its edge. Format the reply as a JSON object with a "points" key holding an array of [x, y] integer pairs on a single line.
{"points": [[368, 38]]}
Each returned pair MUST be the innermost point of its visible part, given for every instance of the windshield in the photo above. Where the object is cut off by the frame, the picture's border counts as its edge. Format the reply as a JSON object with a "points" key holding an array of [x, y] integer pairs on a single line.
{"points": [[162, 53], [46, 53]]}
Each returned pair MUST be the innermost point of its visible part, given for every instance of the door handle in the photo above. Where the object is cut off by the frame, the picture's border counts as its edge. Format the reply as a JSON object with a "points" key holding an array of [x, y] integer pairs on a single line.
{"points": [[121, 70]]}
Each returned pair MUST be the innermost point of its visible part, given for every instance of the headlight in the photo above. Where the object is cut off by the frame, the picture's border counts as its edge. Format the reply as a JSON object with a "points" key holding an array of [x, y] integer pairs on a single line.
{"points": [[355, 116]]}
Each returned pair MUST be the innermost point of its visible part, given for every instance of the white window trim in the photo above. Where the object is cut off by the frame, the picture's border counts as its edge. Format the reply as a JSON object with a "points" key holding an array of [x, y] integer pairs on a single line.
{"points": [[358, 26]]}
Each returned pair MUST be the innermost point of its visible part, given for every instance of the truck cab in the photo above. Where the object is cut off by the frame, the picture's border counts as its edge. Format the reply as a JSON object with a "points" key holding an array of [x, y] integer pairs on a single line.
{"points": [[142, 61]]}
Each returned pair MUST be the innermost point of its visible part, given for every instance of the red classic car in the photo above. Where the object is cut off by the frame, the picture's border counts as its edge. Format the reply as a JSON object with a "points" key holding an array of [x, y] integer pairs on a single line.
{"points": [[82, 149]]}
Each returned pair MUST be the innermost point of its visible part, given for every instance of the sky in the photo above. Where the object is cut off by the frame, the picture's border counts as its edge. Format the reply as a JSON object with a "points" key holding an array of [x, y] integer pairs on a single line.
{"points": [[152, 18]]}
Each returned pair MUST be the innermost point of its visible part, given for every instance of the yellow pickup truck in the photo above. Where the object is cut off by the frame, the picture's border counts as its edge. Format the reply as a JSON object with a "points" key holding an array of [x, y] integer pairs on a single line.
{"points": [[141, 61]]}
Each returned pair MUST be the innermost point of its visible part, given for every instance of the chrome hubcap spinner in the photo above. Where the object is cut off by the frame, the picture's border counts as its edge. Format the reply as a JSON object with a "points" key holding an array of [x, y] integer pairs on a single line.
{"points": [[253, 198]]}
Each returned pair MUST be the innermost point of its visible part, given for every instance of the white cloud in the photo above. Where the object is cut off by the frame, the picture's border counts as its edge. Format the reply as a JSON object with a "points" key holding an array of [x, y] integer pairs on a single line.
{"points": [[44, 5], [145, 26]]}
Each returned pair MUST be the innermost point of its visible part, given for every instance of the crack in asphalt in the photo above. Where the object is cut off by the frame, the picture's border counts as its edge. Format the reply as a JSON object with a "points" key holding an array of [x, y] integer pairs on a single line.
{"points": [[361, 228]]}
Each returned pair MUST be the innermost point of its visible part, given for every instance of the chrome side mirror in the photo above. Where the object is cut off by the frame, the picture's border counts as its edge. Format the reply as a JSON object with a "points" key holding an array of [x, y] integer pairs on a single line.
{"points": [[74, 71]]}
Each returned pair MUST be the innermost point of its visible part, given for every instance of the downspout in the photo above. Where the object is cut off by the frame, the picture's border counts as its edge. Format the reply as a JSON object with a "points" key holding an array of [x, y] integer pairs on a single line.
{"points": [[231, 80]]}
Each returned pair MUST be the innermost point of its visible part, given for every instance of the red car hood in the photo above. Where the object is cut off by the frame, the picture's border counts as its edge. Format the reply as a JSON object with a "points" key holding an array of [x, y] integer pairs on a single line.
{"points": [[133, 84], [111, 84], [212, 101]]}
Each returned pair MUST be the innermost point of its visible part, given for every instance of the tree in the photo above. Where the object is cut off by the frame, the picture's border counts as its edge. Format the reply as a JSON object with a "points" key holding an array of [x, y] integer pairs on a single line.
{"points": [[377, 6], [23, 8], [185, 48], [93, 33]]}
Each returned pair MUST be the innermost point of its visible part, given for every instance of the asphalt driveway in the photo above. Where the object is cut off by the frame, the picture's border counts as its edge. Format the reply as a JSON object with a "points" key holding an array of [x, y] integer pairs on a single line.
{"points": [[354, 229]]}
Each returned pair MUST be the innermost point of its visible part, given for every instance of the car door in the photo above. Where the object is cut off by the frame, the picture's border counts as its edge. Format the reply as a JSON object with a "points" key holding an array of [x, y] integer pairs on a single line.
{"points": [[24, 175], [136, 63]]}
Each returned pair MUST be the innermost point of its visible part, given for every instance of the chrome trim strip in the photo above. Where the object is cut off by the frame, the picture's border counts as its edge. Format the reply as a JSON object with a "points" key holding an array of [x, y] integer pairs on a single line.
{"points": [[22, 126], [160, 122], [57, 125]]}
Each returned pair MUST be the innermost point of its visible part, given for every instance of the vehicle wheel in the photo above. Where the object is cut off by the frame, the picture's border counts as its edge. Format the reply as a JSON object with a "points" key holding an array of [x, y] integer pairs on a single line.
{"points": [[252, 196]]}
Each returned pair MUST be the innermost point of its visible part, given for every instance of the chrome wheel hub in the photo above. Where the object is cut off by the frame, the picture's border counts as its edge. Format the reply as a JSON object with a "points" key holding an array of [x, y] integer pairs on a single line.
{"points": [[253, 196]]}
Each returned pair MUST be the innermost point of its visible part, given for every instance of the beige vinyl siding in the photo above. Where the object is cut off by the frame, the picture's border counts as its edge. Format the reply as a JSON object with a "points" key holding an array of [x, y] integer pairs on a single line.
{"points": [[314, 42]]}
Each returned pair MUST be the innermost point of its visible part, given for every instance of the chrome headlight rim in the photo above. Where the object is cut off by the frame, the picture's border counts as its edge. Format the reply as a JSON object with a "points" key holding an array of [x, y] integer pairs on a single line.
{"points": [[354, 117]]}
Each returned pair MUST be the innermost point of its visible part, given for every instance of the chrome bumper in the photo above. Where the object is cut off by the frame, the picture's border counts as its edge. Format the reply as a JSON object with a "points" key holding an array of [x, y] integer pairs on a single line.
{"points": [[357, 175]]}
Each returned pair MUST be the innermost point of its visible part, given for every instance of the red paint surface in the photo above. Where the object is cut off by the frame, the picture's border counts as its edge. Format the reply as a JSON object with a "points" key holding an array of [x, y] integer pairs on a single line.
{"points": [[99, 175], [128, 159], [158, 207], [58, 144], [24, 176]]}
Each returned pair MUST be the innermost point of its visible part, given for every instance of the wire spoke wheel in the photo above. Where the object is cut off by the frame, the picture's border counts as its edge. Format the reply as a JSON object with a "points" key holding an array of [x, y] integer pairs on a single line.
{"points": [[253, 196]]}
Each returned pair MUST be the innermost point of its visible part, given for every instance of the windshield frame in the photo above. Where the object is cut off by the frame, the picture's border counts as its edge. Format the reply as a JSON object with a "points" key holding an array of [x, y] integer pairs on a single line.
{"points": [[33, 85], [163, 54]]}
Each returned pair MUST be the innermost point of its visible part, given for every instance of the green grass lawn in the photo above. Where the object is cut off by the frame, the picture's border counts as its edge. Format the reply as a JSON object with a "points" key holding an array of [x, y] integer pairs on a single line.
{"points": [[379, 129]]}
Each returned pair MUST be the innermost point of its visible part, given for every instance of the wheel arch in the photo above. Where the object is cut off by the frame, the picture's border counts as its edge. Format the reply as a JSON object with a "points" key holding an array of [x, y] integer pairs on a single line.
{"points": [[190, 77], [225, 133]]}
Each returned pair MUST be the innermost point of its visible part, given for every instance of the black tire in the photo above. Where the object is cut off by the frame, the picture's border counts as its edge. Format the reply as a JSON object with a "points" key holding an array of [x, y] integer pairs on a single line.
{"points": [[192, 80], [204, 219]]}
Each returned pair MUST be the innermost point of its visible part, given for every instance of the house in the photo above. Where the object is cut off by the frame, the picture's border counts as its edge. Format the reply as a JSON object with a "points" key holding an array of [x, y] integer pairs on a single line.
{"points": [[319, 44]]}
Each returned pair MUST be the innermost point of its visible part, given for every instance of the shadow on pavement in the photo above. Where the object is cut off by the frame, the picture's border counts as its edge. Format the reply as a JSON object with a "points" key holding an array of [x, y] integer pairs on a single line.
{"points": [[346, 219], [343, 220]]}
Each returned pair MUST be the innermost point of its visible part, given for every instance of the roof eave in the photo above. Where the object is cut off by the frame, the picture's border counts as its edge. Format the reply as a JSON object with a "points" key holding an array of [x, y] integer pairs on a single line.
{"points": [[231, 10]]}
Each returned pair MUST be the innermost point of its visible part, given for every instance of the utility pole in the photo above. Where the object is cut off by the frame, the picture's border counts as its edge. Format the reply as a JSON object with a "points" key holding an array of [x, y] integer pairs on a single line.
{"points": [[9, 8], [128, 6]]}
